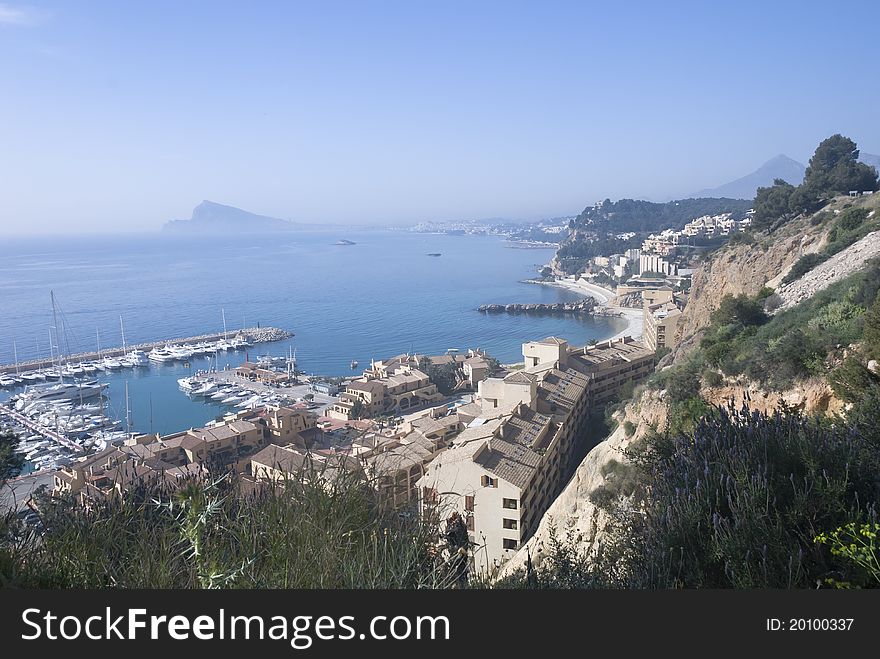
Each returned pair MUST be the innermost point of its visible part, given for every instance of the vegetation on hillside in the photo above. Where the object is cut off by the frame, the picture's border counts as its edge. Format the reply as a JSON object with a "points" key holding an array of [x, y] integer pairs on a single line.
{"points": [[850, 226], [304, 534], [833, 170], [632, 215]]}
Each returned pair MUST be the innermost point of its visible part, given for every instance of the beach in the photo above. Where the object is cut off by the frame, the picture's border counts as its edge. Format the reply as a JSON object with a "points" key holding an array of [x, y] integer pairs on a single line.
{"points": [[635, 321]]}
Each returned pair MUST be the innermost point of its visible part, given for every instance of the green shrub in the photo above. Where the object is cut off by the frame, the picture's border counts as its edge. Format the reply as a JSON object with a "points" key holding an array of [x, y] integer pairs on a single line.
{"points": [[803, 265]]}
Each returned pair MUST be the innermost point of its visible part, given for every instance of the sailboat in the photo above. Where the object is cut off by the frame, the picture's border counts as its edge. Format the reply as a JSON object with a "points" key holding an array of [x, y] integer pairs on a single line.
{"points": [[134, 358]]}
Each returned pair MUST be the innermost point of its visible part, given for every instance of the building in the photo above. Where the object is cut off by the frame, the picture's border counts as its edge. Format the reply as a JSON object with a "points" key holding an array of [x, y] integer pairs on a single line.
{"points": [[656, 263], [514, 455], [226, 444], [661, 320], [386, 388], [326, 388]]}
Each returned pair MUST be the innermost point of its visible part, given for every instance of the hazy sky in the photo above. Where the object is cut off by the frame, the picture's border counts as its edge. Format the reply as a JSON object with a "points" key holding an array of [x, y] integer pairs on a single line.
{"points": [[122, 115]]}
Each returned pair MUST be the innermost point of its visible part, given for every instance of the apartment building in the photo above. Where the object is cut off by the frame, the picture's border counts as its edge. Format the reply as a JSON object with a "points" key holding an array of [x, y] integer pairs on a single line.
{"points": [[155, 458], [384, 389], [514, 455], [661, 321]]}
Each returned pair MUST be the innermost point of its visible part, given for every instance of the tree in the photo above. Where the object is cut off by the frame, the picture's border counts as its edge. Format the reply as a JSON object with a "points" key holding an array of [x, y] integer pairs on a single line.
{"points": [[10, 461], [772, 204], [871, 332], [740, 309], [357, 409], [835, 168]]}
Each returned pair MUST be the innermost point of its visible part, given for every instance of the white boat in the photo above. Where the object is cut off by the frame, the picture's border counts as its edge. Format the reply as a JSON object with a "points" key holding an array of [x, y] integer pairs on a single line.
{"points": [[137, 358], [236, 398], [181, 352], [111, 363], [248, 402], [205, 389], [161, 355], [221, 393], [187, 384], [66, 391], [7, 381]]}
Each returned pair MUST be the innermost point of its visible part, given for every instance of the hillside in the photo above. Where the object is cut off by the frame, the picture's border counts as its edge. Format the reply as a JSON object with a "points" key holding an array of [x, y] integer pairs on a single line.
{"points": [[210, 217], [610, 227], [746, 186], [794, 360]]}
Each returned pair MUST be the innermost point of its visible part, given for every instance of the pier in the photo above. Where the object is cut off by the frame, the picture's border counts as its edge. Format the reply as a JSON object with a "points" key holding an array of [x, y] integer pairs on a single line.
{"points": [[48, 433], [252, 334], [585, 307]]}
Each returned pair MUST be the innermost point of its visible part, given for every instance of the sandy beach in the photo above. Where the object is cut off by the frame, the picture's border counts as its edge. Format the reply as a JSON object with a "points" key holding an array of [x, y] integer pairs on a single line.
{"points": [[634, 317]]}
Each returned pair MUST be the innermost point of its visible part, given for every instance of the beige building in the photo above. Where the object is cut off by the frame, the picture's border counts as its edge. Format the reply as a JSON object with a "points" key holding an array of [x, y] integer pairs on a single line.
{"points": [[224, 444], [398, 389], [515, 454], [661, 320]]}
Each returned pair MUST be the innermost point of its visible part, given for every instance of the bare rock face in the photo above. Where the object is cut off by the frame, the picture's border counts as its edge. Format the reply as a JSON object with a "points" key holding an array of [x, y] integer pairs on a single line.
{"points": [[573, 516], [813, 396], [838, 267], [739, 269]]}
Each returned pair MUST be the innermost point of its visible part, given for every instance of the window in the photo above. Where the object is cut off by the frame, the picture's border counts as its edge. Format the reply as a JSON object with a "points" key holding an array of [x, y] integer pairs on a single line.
{"points": [[430, 495], [470, 522], [510, 544], [489, 482], [469, 504], [510, 524], [510, 504]]}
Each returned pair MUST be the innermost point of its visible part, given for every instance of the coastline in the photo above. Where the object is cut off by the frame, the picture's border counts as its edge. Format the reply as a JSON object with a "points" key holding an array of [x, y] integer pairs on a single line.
{"points": [[635, 321]]}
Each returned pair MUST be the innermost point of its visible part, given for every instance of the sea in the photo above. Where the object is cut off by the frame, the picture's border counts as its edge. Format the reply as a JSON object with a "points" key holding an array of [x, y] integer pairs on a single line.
{"points": [[379, 297]]}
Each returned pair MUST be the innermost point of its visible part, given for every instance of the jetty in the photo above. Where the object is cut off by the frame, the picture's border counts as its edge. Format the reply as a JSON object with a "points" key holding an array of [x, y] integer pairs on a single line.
{"points": [[585, 307], [48, 433], [251, 334]]}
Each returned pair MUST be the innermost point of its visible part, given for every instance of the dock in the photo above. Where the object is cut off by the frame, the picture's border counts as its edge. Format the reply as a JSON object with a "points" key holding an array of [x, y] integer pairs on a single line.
{"points": [[252, 334], [48, 433]]}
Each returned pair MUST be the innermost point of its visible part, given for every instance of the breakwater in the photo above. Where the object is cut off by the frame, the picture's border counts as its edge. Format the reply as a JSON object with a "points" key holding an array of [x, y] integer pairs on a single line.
{"points": [[585, 307], [251, 334]]}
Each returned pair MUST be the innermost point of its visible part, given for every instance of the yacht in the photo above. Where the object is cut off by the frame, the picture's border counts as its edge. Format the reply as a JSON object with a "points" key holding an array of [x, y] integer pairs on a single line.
{"points": [[111, 363], [161, 355], [8, 381], [66, 391], [181, 352], [188, 384], [137, 358]]}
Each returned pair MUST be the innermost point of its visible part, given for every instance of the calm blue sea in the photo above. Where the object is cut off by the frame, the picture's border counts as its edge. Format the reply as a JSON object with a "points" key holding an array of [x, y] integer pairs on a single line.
{"points": [[377, 298]]}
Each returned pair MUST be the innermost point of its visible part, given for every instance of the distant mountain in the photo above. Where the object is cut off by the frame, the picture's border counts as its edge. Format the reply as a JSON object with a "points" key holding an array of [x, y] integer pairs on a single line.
{"points": [[211, 217], [745, 188]]}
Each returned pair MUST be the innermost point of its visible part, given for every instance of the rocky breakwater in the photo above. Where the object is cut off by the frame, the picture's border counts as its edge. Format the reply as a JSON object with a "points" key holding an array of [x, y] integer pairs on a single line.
{"points": [[585, 307], [266, 334]]}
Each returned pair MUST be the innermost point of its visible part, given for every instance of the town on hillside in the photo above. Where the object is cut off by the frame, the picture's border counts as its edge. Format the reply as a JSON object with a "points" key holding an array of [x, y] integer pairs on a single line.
{"points": [[495, 448]]}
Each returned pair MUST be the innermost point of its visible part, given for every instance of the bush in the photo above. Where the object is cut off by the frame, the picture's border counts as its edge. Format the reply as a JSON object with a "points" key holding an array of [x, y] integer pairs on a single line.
{"points": [[300, 535], [803, 265], [629, 428], [737, 503]]}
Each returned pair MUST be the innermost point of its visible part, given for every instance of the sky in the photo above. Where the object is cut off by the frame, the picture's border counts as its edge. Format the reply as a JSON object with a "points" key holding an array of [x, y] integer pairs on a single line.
{"points": [[119, 116]]}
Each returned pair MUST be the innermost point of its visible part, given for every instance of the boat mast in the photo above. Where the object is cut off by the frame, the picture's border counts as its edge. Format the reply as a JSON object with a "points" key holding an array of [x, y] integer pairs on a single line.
{"points": [[127, 410], [122, 326], [98, 341], [57, 340], [223, 313], [15, 355]]}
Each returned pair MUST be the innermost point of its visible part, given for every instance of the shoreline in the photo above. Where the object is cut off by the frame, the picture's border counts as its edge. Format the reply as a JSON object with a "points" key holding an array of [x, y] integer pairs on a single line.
{"points": [[635, 322]]}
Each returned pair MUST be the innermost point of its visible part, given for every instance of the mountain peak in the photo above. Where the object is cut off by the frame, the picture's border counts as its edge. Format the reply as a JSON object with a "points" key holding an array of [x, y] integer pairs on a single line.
{"points": [[780, 166], [212, 217]]}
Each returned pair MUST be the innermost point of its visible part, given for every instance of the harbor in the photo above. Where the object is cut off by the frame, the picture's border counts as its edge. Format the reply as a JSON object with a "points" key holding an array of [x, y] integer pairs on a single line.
{"points": [[203, 344], [62, 412]]}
